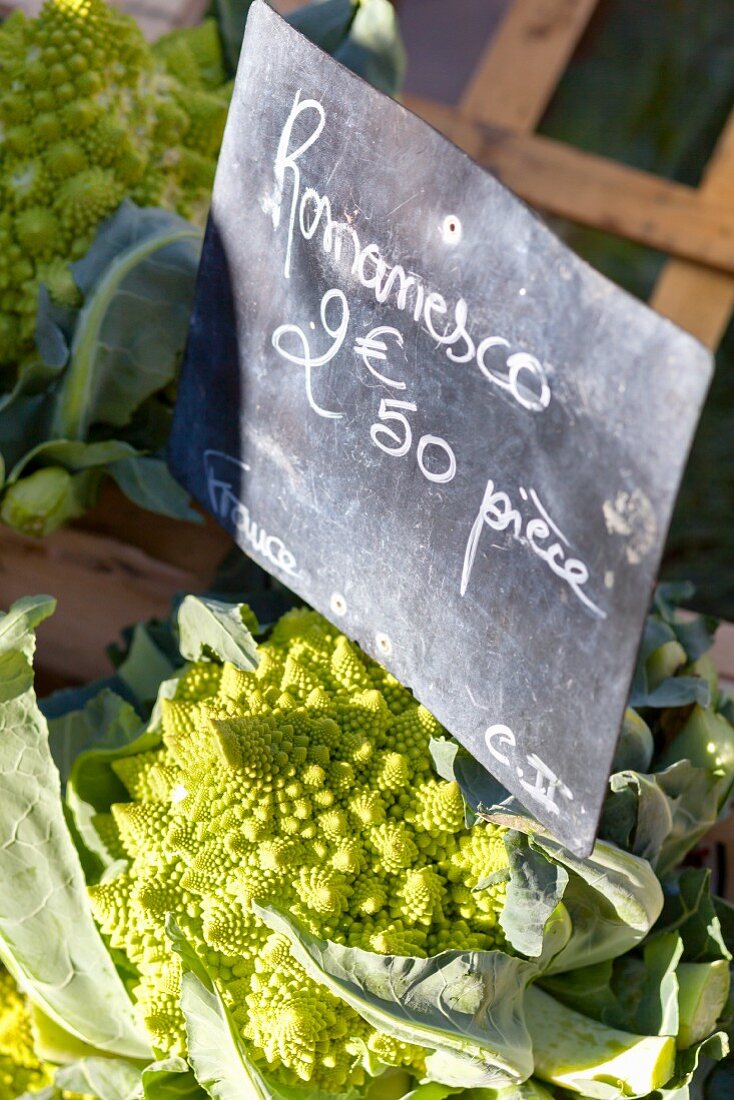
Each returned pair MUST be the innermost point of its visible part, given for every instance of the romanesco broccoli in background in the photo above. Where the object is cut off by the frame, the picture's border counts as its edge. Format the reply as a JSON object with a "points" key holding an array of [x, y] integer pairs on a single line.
{"points": [[20, 1067], [91, 114], [307, 784]]}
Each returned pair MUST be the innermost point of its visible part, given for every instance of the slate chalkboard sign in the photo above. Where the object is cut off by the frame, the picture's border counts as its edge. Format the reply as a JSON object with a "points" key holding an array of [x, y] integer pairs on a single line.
{"points": [[411, 403]]}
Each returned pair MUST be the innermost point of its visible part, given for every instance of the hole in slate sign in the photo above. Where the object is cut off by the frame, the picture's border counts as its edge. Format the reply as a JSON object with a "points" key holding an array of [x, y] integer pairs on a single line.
{"points": [[383, 644], [338, 604], [451, 229]]}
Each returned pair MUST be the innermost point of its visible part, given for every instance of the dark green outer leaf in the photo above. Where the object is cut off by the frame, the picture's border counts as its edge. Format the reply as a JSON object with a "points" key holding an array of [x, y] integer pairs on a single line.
{"points": [[629, 993], [147, 482], [656, 1010], [53, 323], [145, 479], [657, 632], [690, 910], [613, 899], [106, 718], [26, 409], [536, 886], [232, 16], [676, 691], [720, 1083], [364, 35], [661, 817], [145, 666], [68, 700], [707, 740], [73, 455], [635, 747], [696, 636], [326, 24], [467, 1007], [209, 627], [138, 281], [725, 913]]}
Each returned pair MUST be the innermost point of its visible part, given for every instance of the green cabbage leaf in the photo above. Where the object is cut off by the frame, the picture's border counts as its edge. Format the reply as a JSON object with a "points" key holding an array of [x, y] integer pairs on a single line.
{"points": [[48, 939]]}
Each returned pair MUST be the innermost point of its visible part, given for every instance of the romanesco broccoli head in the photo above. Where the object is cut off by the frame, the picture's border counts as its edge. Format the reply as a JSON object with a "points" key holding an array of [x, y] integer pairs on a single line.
{"points": [[20, 1068], [308, 785], [90, 114]]}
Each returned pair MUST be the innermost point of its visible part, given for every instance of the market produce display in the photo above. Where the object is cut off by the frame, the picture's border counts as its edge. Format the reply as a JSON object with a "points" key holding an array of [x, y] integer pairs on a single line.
{"points": [[285, 882], [250, 864], [109, 148], [20, 1067]]}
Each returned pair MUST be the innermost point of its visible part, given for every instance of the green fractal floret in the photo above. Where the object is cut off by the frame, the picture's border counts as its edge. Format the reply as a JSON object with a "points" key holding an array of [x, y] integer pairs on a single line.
{"points": [[90, 114], [20, 1068], [308, 785]]}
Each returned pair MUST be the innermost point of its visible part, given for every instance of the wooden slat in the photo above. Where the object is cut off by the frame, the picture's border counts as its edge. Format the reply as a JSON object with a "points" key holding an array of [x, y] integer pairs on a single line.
{"points": [[124, 566], [101, 585], [524, 61], [191, 12], [196, 549], [591, 190], [287, 6], [700, 300]]}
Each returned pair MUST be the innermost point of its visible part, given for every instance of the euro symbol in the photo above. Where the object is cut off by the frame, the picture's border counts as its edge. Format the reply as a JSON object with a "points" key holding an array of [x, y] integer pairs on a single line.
{"points": [[372, 347]]}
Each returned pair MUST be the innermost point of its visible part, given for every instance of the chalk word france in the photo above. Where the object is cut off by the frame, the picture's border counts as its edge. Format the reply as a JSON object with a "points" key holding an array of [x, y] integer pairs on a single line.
{"points": [[498, 513], [535, 777], [522, 375], [223, 477]]}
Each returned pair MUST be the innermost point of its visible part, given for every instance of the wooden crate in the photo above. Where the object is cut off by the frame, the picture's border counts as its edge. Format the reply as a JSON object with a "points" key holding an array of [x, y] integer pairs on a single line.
{"points": [[118, 566]]}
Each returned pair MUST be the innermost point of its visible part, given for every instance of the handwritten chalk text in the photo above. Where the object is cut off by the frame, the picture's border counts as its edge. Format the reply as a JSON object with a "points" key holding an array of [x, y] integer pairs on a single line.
{"points": [[499, 514], [519, 374]]}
